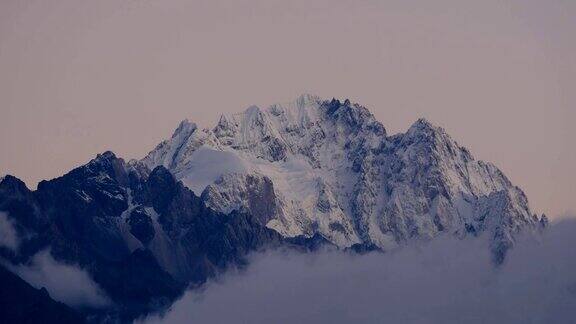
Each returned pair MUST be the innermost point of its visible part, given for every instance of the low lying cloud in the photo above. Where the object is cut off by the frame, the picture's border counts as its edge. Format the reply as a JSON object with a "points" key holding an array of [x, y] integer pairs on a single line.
{"points": [[65, 283], [446, 281], [8, 234]]}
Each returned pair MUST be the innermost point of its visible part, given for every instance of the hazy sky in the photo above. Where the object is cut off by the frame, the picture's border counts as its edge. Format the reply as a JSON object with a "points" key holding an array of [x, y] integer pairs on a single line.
{"points": [[80, 77]]}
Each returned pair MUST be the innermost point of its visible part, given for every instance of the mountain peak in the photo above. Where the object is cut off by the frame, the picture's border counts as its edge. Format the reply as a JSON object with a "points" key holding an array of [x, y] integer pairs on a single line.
{"points": [[226, 126], [10, 181], [424, 129], [105, 158], [335, 105], [185, 127], [422, 124], [423, 121], [421, 181], [353, 115], [107, 155]]}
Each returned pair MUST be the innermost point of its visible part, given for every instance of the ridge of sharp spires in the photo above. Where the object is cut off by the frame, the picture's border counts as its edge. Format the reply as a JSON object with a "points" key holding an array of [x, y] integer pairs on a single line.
{"points": [[332, 105]]}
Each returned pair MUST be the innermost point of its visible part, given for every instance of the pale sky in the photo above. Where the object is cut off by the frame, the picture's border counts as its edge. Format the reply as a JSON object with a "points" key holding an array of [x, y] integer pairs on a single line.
{"points": [[78, 77]]}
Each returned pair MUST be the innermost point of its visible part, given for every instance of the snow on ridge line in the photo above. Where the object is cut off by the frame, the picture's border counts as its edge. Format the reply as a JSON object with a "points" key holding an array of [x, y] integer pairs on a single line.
{"points": [[335, 172]]}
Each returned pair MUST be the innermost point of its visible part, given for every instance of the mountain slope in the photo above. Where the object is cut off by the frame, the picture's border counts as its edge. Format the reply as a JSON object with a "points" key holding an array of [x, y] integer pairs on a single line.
{"points": [[142, 236], [329, 168]]}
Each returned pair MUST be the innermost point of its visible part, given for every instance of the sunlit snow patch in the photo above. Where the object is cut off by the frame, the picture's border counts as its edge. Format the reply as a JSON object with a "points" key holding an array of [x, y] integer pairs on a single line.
{"points": [[206, 165]]}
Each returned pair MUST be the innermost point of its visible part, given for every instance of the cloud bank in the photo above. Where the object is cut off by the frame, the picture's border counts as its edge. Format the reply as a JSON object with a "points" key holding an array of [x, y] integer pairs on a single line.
{"points": [[65, 283], [446, 281]]}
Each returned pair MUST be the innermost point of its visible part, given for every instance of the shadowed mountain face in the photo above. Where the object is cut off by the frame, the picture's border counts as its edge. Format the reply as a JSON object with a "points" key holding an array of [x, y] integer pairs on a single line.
{"points": [[141, 236]]}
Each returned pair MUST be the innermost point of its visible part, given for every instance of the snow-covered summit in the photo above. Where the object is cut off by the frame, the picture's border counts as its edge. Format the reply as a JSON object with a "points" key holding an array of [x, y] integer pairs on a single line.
{"points": [[327, 167]]}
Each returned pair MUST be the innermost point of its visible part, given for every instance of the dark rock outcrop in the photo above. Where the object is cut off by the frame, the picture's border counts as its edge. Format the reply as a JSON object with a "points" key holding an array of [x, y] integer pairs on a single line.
{"points": [[24, 304], [142, 236]]}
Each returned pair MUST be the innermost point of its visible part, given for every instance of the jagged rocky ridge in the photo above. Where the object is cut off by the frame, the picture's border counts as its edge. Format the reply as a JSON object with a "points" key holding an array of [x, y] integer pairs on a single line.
{"points": [[329, 168], [298, 175], [142, 236]]}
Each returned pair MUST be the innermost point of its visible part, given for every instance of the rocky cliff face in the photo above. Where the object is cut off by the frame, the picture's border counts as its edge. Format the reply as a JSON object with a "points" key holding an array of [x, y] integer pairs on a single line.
{"points": [[329, 168], [142, 236]]}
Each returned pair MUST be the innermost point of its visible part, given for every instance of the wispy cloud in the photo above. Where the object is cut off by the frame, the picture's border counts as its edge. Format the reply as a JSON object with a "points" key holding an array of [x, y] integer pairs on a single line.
{"points": [[65, 283], [8, 234], [447, 281]]}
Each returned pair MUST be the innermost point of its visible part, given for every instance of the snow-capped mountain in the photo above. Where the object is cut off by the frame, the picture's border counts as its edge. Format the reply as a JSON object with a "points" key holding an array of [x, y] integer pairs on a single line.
{"points": [[329, 167], [293, 176]]}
